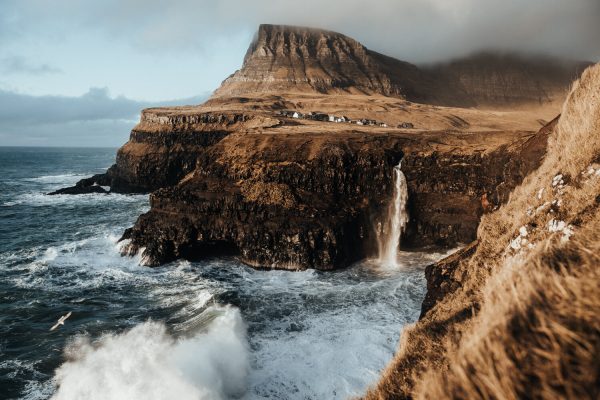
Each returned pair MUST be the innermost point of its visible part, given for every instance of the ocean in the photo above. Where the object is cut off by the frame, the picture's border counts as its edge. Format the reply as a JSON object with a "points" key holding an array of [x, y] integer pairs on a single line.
{"points": [[214, 329]]}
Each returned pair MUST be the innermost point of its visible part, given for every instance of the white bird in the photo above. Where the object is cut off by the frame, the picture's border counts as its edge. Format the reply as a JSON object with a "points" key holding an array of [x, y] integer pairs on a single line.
{"points": [[61, 321]]}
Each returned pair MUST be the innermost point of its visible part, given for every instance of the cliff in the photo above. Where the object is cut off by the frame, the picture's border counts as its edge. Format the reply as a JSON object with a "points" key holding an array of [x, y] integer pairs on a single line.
{"points": [[312, 201], [260, 171], [515, 314]]}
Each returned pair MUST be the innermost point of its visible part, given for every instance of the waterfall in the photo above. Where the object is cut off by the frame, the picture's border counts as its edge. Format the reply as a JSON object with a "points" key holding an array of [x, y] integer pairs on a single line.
{"points": [[397, 218]]}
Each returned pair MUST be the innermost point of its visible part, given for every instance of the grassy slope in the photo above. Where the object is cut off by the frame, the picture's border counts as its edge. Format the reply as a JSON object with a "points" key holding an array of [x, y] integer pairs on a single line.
{"points": [[525, 319]]}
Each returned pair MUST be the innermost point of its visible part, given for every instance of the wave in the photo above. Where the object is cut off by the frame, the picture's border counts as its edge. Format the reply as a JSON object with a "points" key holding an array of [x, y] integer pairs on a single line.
{"points": [[85, 264], [36, 389], [148, 363], [62, 178], [37, 199], [343, 333]]}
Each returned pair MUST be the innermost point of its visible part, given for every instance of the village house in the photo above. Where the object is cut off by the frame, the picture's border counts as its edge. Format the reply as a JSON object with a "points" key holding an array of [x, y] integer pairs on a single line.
{"points": [[406, 125], [323, 117]]}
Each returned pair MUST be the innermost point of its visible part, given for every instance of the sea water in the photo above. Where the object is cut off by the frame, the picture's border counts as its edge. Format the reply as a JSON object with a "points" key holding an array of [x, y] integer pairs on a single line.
{"points": [[214, 329]]}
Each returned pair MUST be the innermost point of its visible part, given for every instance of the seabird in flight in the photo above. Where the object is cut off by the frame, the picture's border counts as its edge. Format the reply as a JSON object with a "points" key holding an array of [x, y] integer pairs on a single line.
{"points": [[61, 321]]}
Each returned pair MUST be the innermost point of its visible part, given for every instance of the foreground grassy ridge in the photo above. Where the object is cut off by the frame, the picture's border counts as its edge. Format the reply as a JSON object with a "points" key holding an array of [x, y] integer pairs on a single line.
{"points": [[525, 320]]}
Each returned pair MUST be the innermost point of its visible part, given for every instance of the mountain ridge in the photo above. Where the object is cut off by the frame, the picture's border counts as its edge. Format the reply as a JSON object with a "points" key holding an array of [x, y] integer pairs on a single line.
{"points": [[290, 58], [283, 58]]}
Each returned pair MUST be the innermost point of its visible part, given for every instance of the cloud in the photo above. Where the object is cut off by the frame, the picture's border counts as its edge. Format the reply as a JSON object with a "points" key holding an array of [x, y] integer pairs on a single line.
{"points": [[416, 30], [20, 65], [91, 119], [419, 31]]}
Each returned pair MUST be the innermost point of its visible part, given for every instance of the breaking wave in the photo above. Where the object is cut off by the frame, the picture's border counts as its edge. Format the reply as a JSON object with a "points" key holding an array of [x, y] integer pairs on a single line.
{"points": [[147, 363]]}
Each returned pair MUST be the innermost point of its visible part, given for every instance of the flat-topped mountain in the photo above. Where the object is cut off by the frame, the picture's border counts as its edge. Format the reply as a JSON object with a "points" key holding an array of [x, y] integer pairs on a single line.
{"points": [[297, 59], [290, 59]]}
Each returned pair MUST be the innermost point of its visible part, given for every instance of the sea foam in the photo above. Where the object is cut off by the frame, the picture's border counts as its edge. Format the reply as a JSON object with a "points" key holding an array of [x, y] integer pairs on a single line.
{"points": [[147, 363]]}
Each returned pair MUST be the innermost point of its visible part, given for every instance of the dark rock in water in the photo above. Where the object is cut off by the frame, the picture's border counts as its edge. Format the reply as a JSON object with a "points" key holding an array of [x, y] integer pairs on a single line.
{"points": [[297, 216], [79, 190], [93, 184]]}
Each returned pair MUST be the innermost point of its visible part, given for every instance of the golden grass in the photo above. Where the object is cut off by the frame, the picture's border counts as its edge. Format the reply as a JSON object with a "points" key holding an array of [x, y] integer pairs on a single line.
{"points": [[525, 322], [537, 334]]}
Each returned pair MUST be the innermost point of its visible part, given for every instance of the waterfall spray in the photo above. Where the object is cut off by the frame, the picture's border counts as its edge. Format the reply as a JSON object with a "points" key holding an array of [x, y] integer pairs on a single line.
{"points": [[397, 218]]}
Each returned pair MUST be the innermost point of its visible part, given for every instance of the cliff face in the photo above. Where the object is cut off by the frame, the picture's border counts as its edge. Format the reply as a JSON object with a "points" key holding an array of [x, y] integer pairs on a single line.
{"points": [[515, 314], [160, 156], [164, 147], [239, 175], [448, 192], [275, 209], [309, 201]]}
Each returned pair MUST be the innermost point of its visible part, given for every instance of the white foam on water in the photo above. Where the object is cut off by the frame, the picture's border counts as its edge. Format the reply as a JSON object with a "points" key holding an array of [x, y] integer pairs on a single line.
{"points": [[337, 347], [17, 367], [147, 363], [35, 389], [334, 348], [37, 199], [335, 355], [77, 265], [62, 178], [50, 254]]}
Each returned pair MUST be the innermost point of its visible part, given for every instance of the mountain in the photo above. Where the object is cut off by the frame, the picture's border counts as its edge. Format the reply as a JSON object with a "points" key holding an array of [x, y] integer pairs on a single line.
{"points": [[290, 59], [256, 172], [492, 79], [297, 59]]}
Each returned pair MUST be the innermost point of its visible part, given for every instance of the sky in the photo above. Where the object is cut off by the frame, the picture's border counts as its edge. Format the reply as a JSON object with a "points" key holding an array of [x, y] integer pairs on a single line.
{"points": [[77, 72]]}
